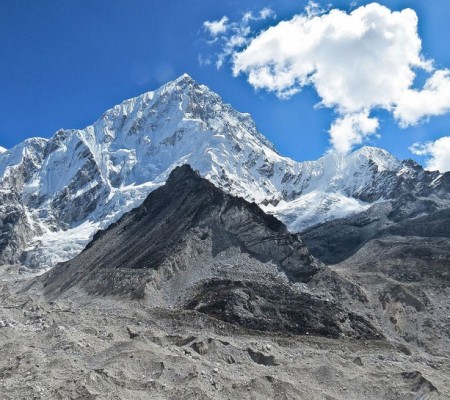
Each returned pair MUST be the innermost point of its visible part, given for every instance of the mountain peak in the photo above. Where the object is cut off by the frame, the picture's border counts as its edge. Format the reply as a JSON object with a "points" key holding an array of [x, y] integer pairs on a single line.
{"points": [[183, 173], [184, 82], [2, 150], [84, 180], [372, 151], [381, 157], [185, 78]]}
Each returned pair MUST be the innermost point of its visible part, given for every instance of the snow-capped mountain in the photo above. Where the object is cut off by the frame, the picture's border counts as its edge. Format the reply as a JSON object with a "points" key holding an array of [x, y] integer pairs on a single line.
{"points": [[56, 193]]}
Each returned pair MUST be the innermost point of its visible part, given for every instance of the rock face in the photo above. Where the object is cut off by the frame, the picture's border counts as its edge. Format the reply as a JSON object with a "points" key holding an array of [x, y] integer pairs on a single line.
{"points": [[408, 215], [278, 308], [406, 280], [400, 258], [190, 245], [64, 189]]}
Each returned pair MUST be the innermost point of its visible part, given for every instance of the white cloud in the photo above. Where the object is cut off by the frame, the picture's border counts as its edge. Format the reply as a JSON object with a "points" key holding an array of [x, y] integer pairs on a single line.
{"points": [[216, 28], [357, 62], [236, 40], [354, 60], [266, 13], [433, 100], [313, 8], [438, 153], [233, 36], [352, 129], [263, 14]]}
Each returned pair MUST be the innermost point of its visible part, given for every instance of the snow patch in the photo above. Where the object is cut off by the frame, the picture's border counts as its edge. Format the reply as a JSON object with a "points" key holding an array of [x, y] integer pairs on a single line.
{"points": [[314, 208]]}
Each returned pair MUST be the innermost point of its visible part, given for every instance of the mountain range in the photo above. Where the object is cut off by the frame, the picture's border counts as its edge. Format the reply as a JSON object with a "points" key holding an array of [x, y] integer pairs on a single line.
{"points": [[206, 295], [188, 259], [56, 193]]}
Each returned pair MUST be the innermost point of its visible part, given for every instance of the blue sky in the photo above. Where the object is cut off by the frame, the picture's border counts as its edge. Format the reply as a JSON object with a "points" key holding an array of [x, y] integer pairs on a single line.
{"points": [[64, 62]]}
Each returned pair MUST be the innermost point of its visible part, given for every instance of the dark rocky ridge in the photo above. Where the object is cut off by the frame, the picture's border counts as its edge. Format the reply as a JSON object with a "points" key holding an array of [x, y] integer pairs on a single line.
{"points": [[148, 235], [192, 246], [275, 307]]}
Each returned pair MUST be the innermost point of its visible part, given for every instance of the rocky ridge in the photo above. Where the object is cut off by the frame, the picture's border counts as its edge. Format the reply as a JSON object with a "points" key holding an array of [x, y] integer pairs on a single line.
{"points": [[192, 246]]}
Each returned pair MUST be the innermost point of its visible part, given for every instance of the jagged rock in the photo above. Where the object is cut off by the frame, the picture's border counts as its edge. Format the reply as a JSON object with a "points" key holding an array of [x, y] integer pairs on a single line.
{"points": [[131, 334]]}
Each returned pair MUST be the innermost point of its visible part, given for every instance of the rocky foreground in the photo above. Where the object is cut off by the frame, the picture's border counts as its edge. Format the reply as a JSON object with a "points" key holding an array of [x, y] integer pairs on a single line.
{"points": [[102, 348]]}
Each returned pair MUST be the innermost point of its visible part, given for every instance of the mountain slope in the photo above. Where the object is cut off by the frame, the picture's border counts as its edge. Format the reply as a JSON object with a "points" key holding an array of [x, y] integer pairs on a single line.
{"points": [[190, 245], [398, 252], [66, 188], [407, 215], [186, 219], [406, 279]]}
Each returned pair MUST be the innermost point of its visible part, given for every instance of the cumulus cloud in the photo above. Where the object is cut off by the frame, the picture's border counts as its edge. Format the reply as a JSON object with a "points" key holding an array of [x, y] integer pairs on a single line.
{"points": [[351, 129], [215, 28], [357, 62], [433, 100], [438, 153]]}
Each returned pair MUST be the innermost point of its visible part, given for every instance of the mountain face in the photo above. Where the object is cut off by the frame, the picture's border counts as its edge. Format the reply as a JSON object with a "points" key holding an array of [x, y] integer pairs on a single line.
{"points": [[57, 193], [407, 215], [192, 246], [403, 268], [181, 222]]}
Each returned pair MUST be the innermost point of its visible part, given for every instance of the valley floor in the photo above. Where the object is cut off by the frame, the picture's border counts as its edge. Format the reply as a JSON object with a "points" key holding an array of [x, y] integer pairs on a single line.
{"points": [[106, 349]]}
